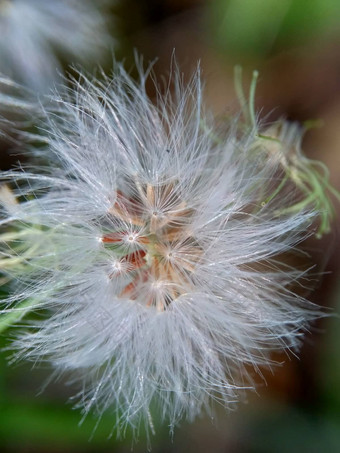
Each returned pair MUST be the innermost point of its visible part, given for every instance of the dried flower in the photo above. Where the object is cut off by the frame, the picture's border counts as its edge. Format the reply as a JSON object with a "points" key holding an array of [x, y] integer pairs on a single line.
{"points": [[151, 242], [33, 32]]}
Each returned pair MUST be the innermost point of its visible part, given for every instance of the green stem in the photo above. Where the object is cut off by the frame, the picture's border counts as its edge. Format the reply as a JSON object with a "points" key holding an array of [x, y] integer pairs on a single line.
{"points": [[252, 91], [276, 191], [240, 93]]}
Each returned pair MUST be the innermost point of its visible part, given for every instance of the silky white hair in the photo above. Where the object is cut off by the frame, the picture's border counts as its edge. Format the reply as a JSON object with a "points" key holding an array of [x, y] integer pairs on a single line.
{"points": [[151, 242], [35, 32]]}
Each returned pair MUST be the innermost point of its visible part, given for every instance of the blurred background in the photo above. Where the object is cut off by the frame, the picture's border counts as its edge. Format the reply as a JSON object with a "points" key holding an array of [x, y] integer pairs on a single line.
{"points": [[295, 46]]}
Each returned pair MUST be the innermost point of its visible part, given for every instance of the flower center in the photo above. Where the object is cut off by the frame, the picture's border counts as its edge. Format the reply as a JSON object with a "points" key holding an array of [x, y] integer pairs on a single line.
{"points": [[159, 251]]}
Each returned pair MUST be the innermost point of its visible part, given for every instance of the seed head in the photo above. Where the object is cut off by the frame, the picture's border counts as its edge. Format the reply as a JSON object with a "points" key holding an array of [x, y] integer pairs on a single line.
{"points": [[34, 32], [152, 242]]}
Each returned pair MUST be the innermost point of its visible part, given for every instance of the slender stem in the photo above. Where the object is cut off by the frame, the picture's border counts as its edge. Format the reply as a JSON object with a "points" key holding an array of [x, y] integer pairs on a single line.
{"points": [[252, 91]]}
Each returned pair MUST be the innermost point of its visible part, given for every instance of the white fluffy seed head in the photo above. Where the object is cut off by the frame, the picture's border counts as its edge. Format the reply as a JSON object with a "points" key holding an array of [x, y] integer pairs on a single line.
{"points": [[152, 243], [35, 32]]}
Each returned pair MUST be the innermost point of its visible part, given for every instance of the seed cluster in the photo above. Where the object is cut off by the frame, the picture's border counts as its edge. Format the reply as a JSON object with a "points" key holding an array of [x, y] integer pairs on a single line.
{"points": [[162, 250]]}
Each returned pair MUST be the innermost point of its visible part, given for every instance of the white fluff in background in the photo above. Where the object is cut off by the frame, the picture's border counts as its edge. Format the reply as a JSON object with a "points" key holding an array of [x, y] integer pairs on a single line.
{"points": [[151, 242], [35, 32]]}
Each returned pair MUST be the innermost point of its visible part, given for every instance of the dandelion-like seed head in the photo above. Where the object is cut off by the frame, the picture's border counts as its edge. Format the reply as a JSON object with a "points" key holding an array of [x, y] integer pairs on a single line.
{"points": [[152, 242], [34, 33]]}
